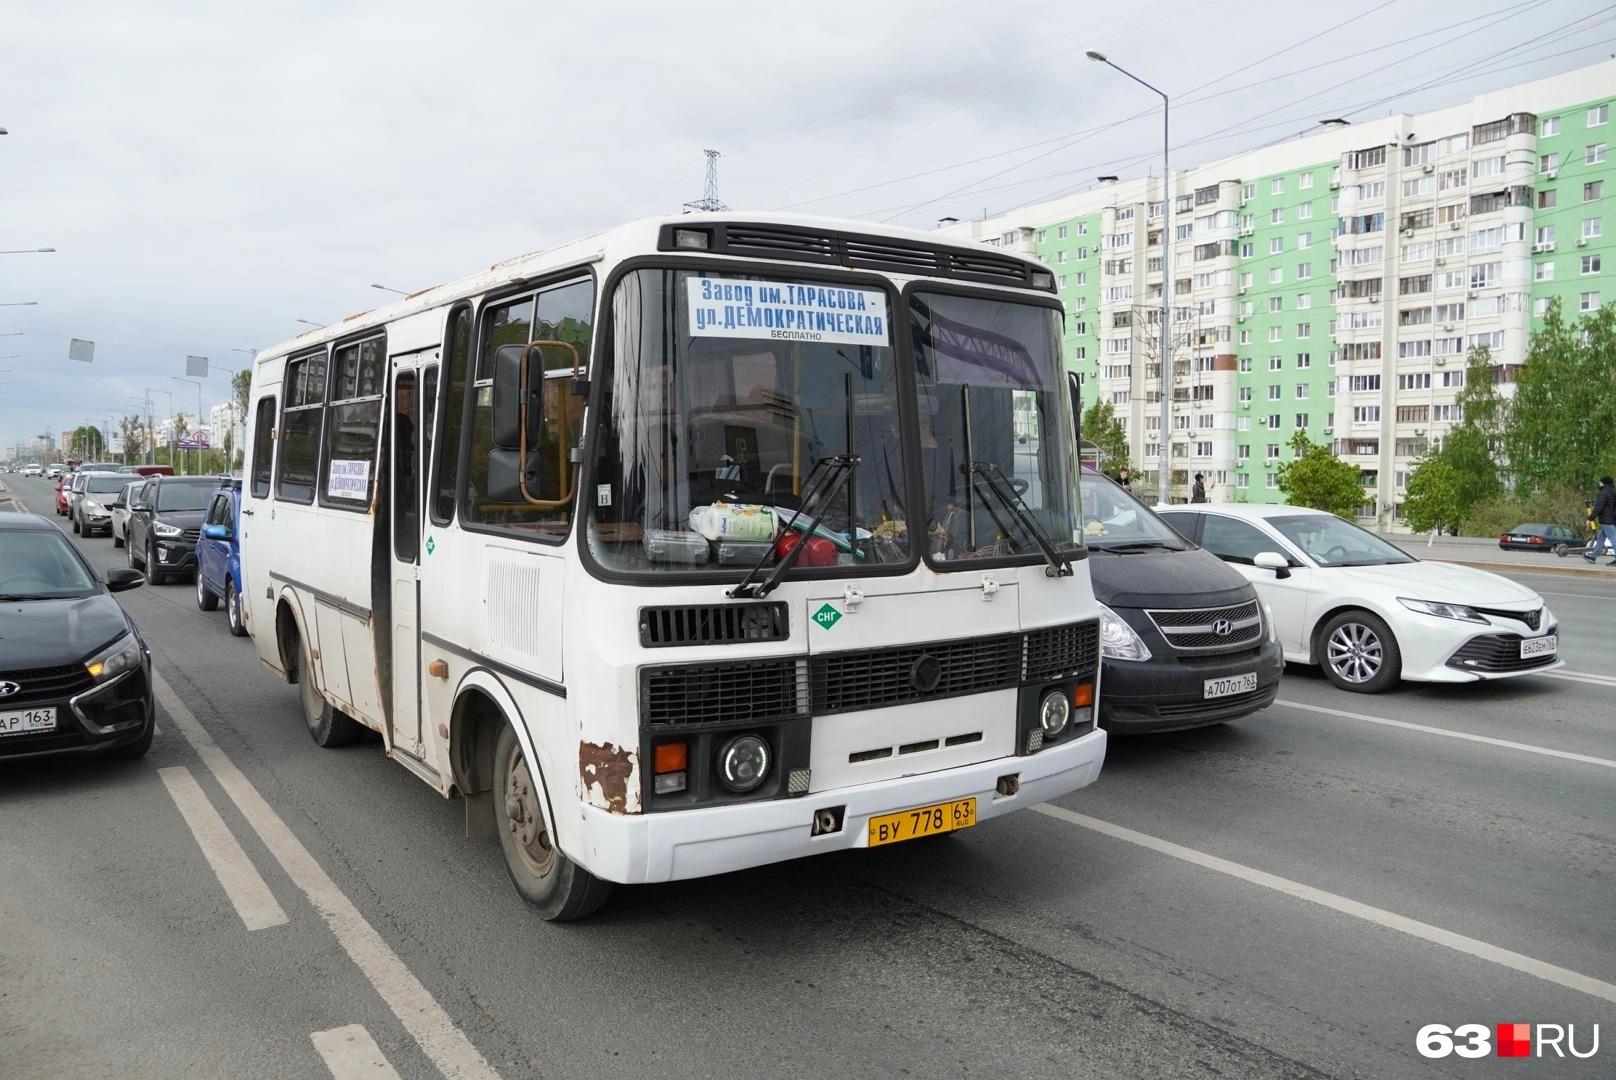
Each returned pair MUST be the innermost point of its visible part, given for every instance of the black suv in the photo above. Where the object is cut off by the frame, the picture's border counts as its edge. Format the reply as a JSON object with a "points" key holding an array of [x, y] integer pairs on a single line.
{"points": [[1184, 639], [165, 522], [75, 675]]}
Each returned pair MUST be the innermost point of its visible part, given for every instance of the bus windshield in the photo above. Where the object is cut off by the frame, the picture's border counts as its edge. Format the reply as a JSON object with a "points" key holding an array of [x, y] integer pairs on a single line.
{"points": [[998, 453], [730, 402]]}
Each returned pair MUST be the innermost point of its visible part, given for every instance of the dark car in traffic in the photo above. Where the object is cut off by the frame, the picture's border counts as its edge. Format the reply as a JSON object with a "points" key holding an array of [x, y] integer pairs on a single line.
{"points": [[1537, 536], [1184, 639], [165, 522], [75, 675]]}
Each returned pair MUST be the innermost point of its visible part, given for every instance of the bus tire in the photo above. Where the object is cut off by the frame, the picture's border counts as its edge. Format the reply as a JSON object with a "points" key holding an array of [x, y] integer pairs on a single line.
{"points": [[559, 888], [328, 727]]}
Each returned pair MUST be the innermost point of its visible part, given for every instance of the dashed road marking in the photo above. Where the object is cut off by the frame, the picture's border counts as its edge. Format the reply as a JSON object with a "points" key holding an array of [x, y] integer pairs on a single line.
{"points": [[1426, 729], [240, 879], [1436, 935], [351, 1054], [444, 1043]]}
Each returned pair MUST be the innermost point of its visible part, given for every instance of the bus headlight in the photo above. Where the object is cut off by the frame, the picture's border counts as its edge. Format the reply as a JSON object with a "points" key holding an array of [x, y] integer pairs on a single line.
{"points": [[1054, 712], [743, 763]]}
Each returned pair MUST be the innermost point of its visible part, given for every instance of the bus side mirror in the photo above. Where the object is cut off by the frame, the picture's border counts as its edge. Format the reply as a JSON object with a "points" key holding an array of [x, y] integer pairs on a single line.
{"points": [[518, 423]]}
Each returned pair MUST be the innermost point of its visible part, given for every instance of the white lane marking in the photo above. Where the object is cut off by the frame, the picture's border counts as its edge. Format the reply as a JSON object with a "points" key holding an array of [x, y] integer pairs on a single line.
{"points": [[351, 1054], [441, 1041], [241, 881], [1448, 732], [1379, 916], [1582, 676]]}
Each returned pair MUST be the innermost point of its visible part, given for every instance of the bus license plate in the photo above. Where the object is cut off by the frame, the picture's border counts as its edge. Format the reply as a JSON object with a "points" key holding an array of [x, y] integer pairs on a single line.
{"points": [[27, 721], [922, 821], [1543, 646], [1235, 684]]}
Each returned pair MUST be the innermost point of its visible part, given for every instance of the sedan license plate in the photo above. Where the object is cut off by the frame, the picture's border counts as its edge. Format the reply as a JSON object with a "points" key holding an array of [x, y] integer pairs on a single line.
{"points": [[922, 821], [1234, 684], [1543, 646], [27, 721]]}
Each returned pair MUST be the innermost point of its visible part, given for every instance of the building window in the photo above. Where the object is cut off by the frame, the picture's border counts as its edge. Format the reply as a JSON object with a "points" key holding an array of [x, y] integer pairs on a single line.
{"points": [[1304, 240], [1276, 363], [1592, 228], [1304, 330], [1060, 232], [1304, 271], [1598, 115], [1276, 275], [1276, 333], [1549, 126], [1548, 199], [1245, 364], [1302, 391], [1276, 303], [1275, 391], [1043, 236], [1276, 186], [1543, 271], [1276, 245], [1303, 301], [1588, 301], [1276, 216], [1590, 264], [1547, 163], [1594, 155]]}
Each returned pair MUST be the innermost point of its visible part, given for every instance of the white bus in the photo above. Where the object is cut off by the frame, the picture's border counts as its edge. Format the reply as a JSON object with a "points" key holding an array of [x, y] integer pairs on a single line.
{"points": [[694, 545]]}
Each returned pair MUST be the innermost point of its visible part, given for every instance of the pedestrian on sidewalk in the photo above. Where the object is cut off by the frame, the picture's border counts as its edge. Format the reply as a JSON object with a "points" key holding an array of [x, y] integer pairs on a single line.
{"points": [[1198, 490], [1122, 478], [1604, 516]]}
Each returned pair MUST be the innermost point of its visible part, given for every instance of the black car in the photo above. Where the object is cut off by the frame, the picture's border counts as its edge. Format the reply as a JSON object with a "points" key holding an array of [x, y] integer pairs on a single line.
{"points": [[1184, 640], [165, 522], [75, 676], [1538, 536]]}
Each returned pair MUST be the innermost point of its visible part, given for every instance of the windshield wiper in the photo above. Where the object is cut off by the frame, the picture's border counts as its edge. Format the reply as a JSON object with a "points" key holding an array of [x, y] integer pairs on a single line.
{"points": [[825, 481], [1137, 545], [989, 472], [7, 598]]}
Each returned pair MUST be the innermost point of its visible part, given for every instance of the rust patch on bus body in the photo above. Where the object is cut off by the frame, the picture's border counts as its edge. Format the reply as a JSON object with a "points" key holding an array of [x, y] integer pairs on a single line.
{"points": [[610, 768]]}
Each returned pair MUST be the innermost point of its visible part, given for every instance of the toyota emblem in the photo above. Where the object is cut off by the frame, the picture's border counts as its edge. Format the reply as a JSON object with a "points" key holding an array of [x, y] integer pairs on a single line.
{"points": [[1222, 627], [8, 688]]}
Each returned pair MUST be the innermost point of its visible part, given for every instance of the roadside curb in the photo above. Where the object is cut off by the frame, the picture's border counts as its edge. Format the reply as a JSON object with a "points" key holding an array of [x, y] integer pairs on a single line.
{"points": [[1518, 568]]}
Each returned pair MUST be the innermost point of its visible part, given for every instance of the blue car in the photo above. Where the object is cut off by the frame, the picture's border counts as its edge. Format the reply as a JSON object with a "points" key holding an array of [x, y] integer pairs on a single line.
{"points": [[218, 557]]}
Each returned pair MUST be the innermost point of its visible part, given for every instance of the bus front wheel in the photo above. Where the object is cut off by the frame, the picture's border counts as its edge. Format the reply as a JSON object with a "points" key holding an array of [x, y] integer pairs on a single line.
{"points": [[327, 726], [559, 888]]}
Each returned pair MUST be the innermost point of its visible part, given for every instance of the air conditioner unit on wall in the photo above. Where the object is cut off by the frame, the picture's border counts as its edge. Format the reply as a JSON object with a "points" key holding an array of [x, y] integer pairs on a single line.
{"points": [[1456, 225], [1428, 169], [1582, 241]]}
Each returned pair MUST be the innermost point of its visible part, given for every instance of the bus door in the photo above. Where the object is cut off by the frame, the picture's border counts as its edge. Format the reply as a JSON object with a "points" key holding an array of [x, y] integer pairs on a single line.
{"points": [[414, 390]]}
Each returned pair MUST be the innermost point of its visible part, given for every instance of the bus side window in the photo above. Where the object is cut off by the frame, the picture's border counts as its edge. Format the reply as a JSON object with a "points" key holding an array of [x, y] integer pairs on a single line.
{"points": [[263, 447], [358, 372], [429, 418], [298, 463], [446, 464], [562, 314]]}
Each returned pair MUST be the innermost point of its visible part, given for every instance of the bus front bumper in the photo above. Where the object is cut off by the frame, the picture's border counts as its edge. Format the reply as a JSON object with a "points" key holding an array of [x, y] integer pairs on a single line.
{"points": [[641, 848]]}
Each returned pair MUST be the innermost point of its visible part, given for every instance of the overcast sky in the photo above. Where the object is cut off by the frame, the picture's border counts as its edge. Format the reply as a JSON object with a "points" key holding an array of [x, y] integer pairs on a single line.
{"points": [[208, 179]]}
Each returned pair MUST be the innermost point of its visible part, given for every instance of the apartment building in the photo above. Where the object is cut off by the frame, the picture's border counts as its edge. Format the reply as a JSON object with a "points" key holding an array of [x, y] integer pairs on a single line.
{"points": [[1331, 284]]}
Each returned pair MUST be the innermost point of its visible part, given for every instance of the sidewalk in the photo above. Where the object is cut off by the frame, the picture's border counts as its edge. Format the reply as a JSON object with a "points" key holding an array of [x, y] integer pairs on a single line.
{"points": [[1484, 553]]}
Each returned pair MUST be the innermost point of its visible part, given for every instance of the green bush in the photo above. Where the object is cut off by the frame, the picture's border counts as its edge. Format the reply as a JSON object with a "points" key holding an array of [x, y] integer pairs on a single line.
{"points": [[1558, 505]]}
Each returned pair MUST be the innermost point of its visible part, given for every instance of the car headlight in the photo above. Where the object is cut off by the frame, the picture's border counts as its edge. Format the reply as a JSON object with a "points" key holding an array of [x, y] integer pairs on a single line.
{"points": [[1118, 640], [121, 656], [92, 506], [1441, 610], [1268, 619], [166, 530]]}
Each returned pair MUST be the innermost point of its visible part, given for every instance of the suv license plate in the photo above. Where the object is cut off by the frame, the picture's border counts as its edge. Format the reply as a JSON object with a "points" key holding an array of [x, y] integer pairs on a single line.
{"points": [[1234, 684], [1543, 646], [27, 721]]}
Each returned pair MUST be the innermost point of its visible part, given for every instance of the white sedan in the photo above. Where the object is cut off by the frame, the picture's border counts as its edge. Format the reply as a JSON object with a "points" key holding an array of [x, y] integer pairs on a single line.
{"points": [[1365, 610], [120, 512]]}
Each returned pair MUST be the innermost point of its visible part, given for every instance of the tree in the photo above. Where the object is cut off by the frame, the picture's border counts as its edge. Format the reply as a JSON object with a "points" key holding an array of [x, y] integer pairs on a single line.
{"points": [[1318, 479], [1433, 500], [87, 442], [241, 385], [1473, 446], [133, 429], [1564, 412], [1102, 428]]}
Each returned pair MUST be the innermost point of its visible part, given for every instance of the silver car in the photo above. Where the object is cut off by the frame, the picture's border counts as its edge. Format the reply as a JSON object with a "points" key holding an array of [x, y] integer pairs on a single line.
{"points": [[120, 512]]}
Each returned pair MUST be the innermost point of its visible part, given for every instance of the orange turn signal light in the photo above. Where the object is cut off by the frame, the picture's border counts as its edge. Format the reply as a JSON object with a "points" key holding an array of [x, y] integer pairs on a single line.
{"points": [[669, 757], [1083, 695]]}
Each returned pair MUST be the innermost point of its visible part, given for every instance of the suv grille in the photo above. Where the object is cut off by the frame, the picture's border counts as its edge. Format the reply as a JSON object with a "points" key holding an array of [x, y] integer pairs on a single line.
{"points": [[1198, 628], [715, 624], [743, 692], [191, 536], [43, 685]]}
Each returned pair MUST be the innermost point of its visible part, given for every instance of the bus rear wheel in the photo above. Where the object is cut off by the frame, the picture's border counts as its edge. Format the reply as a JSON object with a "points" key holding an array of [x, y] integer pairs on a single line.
{"points": [[327, 726], [559, 888]]}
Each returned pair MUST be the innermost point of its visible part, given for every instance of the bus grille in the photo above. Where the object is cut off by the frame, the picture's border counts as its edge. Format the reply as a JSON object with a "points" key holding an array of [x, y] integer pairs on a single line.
{"points": [[1053, 651], [713, 624], [743, 692]]}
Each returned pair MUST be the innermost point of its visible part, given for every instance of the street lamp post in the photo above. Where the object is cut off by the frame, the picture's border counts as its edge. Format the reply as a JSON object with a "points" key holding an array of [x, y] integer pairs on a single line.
{"points": [[1164, 332], [151, 439], [387, 288], [27, 251]]}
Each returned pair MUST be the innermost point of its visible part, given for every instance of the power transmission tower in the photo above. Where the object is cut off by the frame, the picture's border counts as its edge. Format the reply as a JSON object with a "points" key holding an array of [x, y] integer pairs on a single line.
{"points": [[708, 203]]}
